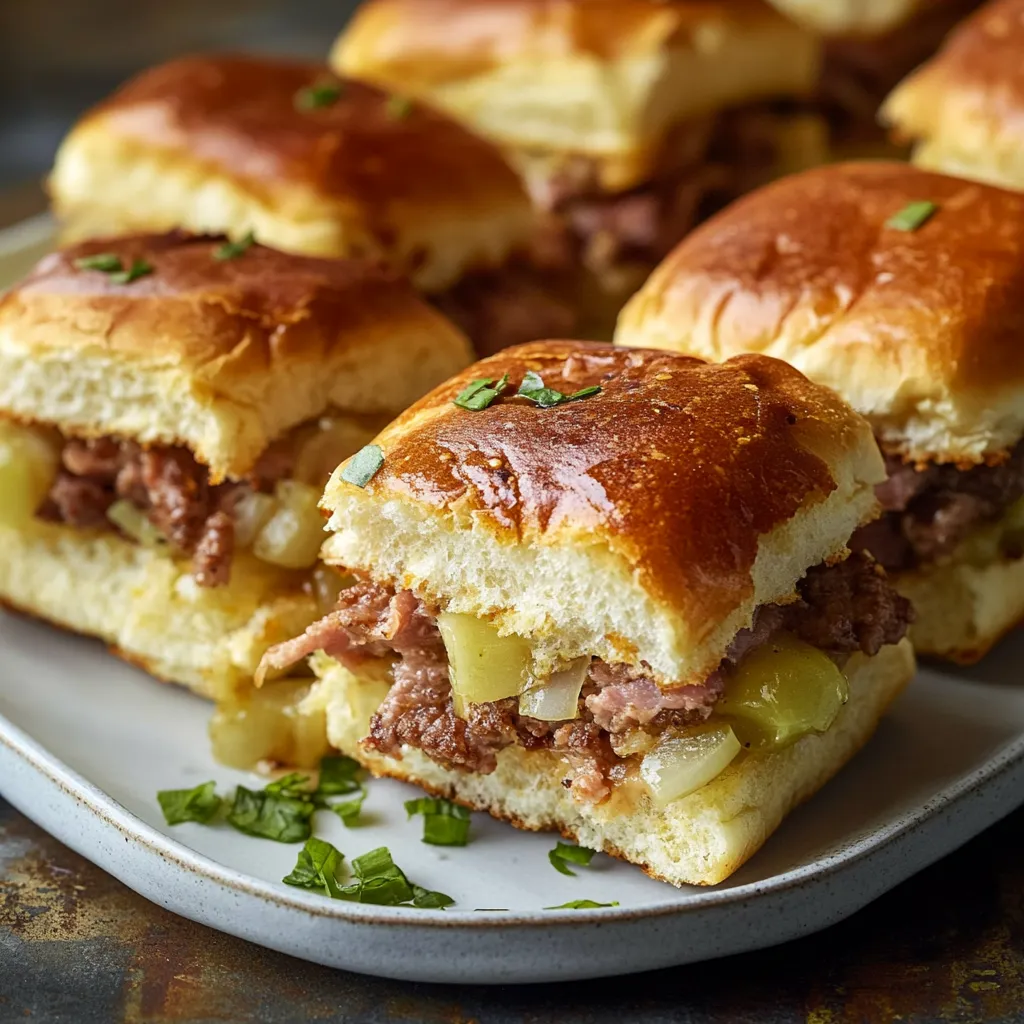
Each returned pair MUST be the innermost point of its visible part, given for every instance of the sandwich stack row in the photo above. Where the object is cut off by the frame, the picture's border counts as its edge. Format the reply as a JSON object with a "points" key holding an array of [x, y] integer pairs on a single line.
{"points": [[651, 594]]}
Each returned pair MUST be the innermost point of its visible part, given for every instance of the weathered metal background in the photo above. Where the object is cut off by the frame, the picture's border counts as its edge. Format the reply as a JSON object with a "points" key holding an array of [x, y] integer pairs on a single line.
{"points": [[76, 946]]}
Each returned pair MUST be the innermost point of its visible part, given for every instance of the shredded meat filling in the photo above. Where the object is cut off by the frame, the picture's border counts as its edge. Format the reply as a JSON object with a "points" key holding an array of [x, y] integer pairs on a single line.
{"points": [[929, 512], [841, 609], [166, 484]]}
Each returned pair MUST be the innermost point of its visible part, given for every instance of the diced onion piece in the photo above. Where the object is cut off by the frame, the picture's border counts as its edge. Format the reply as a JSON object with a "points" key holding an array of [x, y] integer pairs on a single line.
{"points": [[557, 698], [269, 725], [132, 522], [681, 764], [252, 512], [483, 665], [781, 691], [28, 466], [293, 535], [327, 584]]}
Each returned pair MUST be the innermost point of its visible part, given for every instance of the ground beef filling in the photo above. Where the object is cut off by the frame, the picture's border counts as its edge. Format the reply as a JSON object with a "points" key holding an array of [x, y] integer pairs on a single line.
{"points": [[168, 486], [841, 609], [930, 512]]}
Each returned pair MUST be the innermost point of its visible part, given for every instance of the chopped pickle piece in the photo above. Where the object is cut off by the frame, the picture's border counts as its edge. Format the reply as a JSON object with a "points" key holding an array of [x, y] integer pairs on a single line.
{"points": [[782, 691], [294, 533], [556, 699], [28, 465], [483, 665], [132, 522], [268, 725], [681, 764]]}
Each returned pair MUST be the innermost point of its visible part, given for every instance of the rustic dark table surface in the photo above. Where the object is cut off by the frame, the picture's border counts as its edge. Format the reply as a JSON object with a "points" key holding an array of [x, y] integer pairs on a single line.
{"points": [[76, 946]]}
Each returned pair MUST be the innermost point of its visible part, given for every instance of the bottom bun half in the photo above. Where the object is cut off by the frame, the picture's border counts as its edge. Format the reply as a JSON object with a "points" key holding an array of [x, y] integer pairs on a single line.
{"points": [[147, 607], [700, 839]]}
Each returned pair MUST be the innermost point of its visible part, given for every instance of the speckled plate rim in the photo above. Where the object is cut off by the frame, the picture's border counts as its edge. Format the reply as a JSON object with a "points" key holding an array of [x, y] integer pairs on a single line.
{"points": [[1007, 762]]}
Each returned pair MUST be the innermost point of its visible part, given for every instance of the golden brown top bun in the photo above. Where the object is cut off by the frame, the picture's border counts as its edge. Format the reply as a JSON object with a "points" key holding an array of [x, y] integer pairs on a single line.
{"points": [[965, 107], [221, 355], [641, 524], [603, 80], [312, 163], [920, 330]]}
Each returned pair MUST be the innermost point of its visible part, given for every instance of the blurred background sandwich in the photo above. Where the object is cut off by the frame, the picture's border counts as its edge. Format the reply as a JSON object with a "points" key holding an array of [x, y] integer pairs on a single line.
{"points": [[964, 110], [314, 164]]}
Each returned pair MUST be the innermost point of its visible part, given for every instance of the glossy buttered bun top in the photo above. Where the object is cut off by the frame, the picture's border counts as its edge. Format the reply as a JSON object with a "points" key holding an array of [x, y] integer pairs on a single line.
{"points": [[640, 522]]}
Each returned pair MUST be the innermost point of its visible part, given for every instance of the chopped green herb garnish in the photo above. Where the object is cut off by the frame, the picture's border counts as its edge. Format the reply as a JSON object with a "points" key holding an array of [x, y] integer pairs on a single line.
{"points": [[284, 819], [232, 250], [444, 823], [563, 855], [293, 784], [380, 881], [583, 905], [339, 774], [479, 394], [426, 899], [399, 107], [318, 95], [349, 810], [317, 868], [533, 389], [105, 261], [912, 216], [139, 268], [198, 804], [363, 466]]}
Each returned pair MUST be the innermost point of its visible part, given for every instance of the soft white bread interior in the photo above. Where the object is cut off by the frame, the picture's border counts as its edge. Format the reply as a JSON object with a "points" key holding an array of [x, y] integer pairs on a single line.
{"points": [[221, 356], [605, 81], [700, 839], [147, 606], [963, 609], [230, 144], [643, 524]]}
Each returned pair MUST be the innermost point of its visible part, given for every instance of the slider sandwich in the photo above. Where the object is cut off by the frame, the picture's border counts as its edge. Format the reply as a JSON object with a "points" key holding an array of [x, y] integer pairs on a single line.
{"points": [[623, 118], [964, 110], [312, 164], [609, 592], [170, 409], [869, 47], [902, 290]]}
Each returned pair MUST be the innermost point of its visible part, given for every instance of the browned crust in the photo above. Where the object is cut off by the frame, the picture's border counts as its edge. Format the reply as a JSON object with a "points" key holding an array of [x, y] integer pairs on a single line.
{"points": [[239, 116], [811, 258], [232, 325], [678, 465], [981, 63]]}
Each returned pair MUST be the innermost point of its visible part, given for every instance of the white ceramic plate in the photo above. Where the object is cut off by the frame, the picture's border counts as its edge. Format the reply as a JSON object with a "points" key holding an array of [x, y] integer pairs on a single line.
{"points": [[86, 741]]}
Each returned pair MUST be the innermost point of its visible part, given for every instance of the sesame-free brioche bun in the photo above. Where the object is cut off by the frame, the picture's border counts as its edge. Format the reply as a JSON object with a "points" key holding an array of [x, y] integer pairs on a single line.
{"points": [[220, 355], [864, 18], [311, 164], [699, 840], [964, 109], [604, 81], [919, 330], [642, 524]]}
